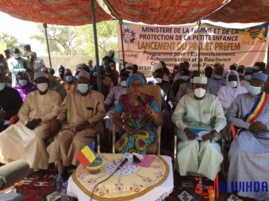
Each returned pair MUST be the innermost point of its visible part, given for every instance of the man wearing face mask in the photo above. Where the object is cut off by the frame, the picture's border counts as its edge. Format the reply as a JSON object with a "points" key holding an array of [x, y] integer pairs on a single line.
{"points": [[112, 76], [185, 77], [25, 139], [113, 70], [54, 84], [216, 82], [69, 84], [10, 103], [228, 93], [249, 152], [247, 77], [24, 86], [16, 64], [77, 124], [195, 113], [186, 88], [113, 98]]}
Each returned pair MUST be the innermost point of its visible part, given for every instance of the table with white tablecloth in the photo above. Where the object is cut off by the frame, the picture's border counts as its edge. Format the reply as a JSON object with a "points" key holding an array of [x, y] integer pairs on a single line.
{"points": [[131, 182]]}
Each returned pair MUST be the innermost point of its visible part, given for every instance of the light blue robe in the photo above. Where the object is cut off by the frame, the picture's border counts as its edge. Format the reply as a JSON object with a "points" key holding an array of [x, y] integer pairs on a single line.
{"points": [[249, 152]]}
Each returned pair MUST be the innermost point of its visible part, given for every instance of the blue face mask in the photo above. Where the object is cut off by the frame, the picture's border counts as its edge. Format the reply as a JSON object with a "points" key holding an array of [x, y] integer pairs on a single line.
{"points": [[185, 78], [69, 78], [247, 77], [254, 91], [217, 77], [83, 88]]}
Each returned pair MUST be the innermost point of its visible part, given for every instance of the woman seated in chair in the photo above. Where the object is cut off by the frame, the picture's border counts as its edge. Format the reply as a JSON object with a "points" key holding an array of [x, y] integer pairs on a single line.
{"points": [[140, 121]]}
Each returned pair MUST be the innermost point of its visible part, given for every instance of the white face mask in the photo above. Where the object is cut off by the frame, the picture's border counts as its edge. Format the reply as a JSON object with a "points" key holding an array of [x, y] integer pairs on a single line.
{"points": [[158, 80], [199, 92], [123, 83], [76, 77], [2, 86], [16, 55], [233, 84], [83, 88], [69, 78], [254, 91], [23, 82], [42, 87], [112, 68]]}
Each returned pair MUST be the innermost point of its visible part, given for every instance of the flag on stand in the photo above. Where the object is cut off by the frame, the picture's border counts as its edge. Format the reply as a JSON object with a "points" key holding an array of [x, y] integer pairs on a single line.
{"points": [[87, 155]]}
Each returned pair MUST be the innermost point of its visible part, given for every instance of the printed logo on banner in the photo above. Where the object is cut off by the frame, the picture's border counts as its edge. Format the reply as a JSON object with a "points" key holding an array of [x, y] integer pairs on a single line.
{"points": [[128, 36], [255, 35]]}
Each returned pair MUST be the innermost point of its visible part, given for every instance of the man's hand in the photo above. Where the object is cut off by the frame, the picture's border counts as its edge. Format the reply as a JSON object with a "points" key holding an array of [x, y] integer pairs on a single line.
{"points": [[190, 134], [2, 115], [209, 136], [33, 123], [82, 126], [257, 127], [56, 127]]}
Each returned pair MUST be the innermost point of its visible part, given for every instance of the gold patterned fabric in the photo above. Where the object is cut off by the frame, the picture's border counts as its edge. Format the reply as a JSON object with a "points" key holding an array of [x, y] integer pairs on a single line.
{"points": [[128, 183], [60, 12], [242, 11], [163, 11]]}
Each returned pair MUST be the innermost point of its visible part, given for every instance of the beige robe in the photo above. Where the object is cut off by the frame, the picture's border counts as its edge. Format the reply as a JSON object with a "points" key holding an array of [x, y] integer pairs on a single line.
{"points": [[75, 110], [19, 142]]}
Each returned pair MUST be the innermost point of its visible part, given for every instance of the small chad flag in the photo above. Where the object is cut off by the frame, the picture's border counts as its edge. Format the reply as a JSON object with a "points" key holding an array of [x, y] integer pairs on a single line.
{"points": [[86, 156]]}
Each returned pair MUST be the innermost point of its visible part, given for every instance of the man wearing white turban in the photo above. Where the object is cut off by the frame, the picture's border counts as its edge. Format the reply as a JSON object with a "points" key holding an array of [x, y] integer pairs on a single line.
{"points": [[196, 114]]}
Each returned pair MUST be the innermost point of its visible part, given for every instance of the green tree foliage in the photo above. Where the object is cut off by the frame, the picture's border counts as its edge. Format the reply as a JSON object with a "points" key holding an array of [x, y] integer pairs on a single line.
{"points": [[11, 41], [79, 40], [60, 38], [106, 35]]}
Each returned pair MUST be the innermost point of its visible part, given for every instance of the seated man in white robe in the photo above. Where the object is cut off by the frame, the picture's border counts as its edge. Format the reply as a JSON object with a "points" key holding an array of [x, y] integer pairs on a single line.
{"points": [[199, 111], [78, 123], [24, 140], [249, 152], [228, 93]]}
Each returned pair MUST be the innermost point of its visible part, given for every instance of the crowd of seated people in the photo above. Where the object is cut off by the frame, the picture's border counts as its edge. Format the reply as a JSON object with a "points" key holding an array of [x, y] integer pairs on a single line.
{"points": [[194, 103]]}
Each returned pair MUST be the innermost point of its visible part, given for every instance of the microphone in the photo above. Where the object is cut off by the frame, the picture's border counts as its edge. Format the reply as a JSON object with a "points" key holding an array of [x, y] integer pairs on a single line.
{"points": [[127, 157], [140, 100], [13, 172]]}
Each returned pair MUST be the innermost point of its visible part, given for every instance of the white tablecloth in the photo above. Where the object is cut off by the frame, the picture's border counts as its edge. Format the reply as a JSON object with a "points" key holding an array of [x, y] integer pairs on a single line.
{"points": [[158, 193]]}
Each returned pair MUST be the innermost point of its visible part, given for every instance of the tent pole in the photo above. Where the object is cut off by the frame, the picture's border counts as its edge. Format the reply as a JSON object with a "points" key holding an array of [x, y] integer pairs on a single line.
{"points": [[199, 24], [96, 46], [48, 47], [122, 46]]}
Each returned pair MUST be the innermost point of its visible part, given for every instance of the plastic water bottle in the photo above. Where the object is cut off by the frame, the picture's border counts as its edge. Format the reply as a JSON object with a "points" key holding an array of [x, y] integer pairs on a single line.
{"points": [[64, 196], [59, 183]]}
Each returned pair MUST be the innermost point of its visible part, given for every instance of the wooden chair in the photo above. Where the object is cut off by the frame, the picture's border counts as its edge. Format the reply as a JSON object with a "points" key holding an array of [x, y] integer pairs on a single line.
{"points": [[153, 90], [222, 144], [234, 130]]}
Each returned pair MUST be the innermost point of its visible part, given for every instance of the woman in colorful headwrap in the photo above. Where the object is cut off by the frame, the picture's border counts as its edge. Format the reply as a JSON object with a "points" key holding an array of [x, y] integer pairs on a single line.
{"points": [[140, 121], [23, 84]]}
